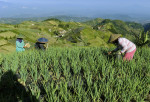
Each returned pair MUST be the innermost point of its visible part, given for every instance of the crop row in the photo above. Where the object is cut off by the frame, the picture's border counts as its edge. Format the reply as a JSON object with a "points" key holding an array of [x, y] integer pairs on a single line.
{"points": [[78, 74]]}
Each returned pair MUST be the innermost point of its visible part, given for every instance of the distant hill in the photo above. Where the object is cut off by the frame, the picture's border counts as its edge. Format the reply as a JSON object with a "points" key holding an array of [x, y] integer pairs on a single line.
{"points": [[116, 26], [127, 18], [119, 17], [67, 34], [38, 19]]}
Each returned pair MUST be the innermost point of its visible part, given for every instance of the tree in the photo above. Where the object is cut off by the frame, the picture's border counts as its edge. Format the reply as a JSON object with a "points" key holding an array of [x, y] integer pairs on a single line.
{"points": [[143, 38]]}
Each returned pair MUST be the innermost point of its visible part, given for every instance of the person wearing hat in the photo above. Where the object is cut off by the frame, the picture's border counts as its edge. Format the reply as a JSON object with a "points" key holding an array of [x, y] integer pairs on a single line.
{"points": [[20, 46], [123, 44], [41, 43]]}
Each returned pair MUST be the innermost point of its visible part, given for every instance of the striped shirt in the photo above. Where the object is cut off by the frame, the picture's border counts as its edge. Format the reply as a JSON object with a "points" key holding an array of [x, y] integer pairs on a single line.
{"points": [[125, 45]]}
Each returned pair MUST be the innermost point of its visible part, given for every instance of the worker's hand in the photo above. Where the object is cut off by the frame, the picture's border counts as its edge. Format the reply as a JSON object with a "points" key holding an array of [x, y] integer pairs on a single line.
{"points": [[24, 47], [119, 53], [27, 45], [109, 53]]}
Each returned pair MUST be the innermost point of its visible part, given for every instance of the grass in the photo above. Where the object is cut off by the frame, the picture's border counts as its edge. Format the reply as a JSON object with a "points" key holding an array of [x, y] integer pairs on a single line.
{"points": [[79, 74]]}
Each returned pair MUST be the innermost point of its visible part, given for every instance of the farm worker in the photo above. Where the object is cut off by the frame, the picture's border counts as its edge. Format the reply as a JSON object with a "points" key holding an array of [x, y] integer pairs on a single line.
{"points": [[20, 46], [123, 44], [42, 43]]}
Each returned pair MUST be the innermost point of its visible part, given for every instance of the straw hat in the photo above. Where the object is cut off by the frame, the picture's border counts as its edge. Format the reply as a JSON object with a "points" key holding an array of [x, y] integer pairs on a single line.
{"points": [[42, 40], [114, 37]]}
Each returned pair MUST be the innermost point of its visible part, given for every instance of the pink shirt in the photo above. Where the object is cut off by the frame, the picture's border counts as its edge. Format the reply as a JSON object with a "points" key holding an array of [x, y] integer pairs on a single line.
{"points": [[125, 45]]}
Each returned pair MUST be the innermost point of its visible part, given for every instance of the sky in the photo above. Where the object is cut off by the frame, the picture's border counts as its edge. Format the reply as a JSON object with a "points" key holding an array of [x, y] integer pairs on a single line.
{"points": [[74, 7]]}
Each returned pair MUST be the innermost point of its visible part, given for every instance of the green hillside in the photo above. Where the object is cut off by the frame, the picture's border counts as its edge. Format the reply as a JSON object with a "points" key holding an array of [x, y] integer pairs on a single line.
{"points": [[67, 34], [119, 27]]}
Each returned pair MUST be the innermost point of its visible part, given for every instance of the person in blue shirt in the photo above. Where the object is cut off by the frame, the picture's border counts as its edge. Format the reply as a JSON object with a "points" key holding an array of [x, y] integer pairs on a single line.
{"points": [[20, 46]]}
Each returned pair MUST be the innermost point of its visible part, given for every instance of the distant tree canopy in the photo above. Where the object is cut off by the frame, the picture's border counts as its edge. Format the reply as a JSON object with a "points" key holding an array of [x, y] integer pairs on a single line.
{"points": [[105, 21], [53, 19], [147, 27], [135, 25]]}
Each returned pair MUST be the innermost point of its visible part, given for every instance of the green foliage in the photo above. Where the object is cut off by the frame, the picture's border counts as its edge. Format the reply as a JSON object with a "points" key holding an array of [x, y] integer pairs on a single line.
{"points": [[143, 38], [80, 75], [75, 35], [119, 27], [134, 25], [146, 27], [63, 26]]}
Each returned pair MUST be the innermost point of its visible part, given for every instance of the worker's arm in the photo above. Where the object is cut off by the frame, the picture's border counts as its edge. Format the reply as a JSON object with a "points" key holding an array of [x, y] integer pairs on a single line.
{"points": [[115, 50], [124, 48]]}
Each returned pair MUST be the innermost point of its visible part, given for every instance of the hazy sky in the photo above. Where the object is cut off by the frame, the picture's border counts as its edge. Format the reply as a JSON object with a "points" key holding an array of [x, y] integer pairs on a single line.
{"points": [[75, 7]]}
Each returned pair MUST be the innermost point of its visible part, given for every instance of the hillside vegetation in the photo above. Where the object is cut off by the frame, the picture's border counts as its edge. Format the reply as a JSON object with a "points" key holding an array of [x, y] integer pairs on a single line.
{"points": [[66, 34]]}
